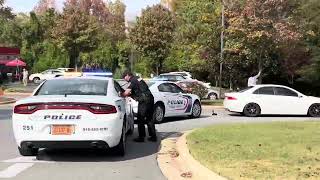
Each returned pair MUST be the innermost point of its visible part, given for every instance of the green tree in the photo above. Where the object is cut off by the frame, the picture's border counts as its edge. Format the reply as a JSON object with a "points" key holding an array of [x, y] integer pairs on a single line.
{"points": [[76, 31], [153, 34]]}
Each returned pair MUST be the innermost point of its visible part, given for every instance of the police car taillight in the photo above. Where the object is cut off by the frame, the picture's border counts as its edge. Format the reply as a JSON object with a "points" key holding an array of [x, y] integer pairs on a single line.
{"points": [[93, 108], [25, 108], [102, 109]]}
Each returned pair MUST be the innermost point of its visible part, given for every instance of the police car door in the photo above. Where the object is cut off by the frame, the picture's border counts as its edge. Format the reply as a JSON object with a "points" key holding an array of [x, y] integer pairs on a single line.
{"points": [[166, 95], [179, 102]]}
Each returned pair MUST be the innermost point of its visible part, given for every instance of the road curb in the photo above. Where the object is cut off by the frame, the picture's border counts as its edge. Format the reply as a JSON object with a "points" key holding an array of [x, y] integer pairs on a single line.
{"points": [[16, 93], [212, 107], [8, 102], [176, 162]]}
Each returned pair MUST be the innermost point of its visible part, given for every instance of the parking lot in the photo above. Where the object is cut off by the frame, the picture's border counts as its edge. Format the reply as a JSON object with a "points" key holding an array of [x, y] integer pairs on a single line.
{"points": [[139, 162]]}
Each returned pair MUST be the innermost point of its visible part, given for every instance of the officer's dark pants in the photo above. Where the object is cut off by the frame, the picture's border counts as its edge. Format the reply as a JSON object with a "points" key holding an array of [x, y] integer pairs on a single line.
{"points": [[145, 116]]}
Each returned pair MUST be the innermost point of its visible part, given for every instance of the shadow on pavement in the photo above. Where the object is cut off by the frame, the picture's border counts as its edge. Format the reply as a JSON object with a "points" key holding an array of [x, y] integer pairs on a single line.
{"points": [[174, 119], [274, 115], [134, 151]]}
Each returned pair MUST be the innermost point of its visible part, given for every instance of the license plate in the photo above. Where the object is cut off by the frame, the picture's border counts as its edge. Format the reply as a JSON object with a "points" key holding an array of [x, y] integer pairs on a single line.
{"points": [[62, 129]]}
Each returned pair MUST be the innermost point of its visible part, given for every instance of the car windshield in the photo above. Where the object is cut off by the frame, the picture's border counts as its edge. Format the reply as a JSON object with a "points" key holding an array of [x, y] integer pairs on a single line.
{"points": [[74, 87]]}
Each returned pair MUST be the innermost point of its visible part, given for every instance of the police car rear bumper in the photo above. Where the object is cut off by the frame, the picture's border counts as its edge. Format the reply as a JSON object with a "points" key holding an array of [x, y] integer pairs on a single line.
{"points": [[65, 144]]}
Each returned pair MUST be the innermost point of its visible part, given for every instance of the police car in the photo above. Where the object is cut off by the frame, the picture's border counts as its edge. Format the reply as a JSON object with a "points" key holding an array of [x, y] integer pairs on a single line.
{"points": [[170, 101], [73, 112]]}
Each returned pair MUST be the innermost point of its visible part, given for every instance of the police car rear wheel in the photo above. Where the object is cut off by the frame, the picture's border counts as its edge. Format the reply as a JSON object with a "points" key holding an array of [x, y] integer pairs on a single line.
{"points": [[25, 151], [158, 114], [120, 149], [196, 110]]}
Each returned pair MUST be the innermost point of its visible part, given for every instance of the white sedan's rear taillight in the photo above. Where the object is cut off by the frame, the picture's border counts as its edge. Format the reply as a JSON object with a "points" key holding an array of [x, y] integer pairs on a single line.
{"points": [[231, 98], [93, 108]]}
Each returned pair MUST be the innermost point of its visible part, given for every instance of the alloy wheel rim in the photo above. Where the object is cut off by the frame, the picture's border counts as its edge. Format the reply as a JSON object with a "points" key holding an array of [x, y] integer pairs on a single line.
{"points": [[196, 109], [159, 114]]}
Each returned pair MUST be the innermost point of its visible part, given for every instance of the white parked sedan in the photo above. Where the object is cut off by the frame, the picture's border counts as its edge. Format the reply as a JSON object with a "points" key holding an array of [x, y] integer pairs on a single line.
{"points": [[76, 112], [272, 100], [45, 75], [171, 101]]}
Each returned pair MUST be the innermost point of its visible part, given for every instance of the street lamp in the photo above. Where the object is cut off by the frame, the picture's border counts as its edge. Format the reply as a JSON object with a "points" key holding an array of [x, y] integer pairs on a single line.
{"points": [[222, 47]]}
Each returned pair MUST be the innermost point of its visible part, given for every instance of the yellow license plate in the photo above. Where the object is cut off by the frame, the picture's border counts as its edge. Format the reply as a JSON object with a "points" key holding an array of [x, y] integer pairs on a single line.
{"points": [[62, 129]]}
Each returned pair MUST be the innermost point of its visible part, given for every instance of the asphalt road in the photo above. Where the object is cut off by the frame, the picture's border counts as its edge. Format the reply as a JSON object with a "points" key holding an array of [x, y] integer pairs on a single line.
{"points": [[139, 163]]}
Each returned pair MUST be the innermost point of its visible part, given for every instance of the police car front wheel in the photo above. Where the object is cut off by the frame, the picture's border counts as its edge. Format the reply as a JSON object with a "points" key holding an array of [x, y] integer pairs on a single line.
{"points": [[196, 110]]}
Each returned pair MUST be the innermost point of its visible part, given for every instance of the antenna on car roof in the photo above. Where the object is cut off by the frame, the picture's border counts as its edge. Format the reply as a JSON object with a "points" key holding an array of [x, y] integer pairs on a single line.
{"points": [[65, 95]]}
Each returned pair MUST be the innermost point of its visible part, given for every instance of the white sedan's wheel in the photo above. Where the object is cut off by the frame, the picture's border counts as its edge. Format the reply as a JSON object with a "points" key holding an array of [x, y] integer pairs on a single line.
{"points": [[212, 96], [252, 110], [36, 80], [314, 110]]}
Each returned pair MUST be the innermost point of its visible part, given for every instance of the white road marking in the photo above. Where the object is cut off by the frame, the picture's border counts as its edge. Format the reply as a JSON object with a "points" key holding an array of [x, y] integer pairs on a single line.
{"points": [[26, 160], [14, 170]]}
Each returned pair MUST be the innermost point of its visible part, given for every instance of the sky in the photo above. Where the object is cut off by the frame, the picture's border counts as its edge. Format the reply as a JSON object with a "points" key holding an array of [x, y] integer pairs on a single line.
{"points": [[134, 7]]}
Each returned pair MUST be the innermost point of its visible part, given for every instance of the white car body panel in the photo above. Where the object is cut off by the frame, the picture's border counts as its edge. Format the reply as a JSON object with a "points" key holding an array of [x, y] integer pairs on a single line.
{"points": [[271, 104], [176, 104], [87, 125], [46, 75]]}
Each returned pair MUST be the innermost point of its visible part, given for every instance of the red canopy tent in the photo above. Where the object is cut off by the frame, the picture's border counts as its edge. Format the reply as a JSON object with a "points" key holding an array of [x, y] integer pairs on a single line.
{"points": [[16, 63]]}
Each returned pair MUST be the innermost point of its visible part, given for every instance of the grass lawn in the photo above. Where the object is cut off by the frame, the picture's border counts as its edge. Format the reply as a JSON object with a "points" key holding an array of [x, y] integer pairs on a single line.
{"points": [[279, 150], [218, 102]]}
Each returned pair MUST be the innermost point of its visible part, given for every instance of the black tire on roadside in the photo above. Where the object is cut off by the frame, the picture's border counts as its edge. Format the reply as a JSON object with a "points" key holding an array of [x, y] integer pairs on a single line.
{"points": [[25, 151], [158, 114], [314, 110], [252, 110], [196, 109]]}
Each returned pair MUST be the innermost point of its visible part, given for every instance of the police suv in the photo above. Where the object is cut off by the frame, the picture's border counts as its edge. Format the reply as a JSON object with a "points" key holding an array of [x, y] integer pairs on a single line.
{"points": [[74, 112]]}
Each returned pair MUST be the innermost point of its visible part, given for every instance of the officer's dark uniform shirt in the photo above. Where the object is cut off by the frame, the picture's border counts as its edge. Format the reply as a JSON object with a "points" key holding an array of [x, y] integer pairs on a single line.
{"points": [[139, 90]]}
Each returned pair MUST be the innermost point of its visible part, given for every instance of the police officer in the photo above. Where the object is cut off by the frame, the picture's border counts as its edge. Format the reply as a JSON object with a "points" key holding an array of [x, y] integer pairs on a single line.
{"points": [[139, 91]]}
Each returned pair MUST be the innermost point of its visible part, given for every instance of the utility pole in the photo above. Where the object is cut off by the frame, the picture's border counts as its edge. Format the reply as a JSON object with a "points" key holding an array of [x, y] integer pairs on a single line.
{"points": [[222, 47]]}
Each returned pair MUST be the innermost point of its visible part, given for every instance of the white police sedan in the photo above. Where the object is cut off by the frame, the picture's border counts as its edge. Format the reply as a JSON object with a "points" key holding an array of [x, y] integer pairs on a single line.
{"points": [[171, 101], [272, 100], [75, 112]]}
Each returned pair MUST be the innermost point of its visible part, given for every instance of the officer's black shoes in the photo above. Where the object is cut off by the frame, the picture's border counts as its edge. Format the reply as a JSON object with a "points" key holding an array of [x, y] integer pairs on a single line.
{"points": [[138, 139], [153, 139]]}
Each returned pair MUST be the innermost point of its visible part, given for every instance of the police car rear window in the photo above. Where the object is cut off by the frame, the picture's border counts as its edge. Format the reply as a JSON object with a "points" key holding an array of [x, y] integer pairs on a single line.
{"points": [[74, 87]]}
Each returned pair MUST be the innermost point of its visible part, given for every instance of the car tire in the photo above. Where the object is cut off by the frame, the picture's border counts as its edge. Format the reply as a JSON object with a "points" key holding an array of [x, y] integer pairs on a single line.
{"points": [[196, 109], [212, 96], [131, 130], [158, 113], [36, 80], [25, 151], [314, 110], [120, 149], [252, 110]]}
